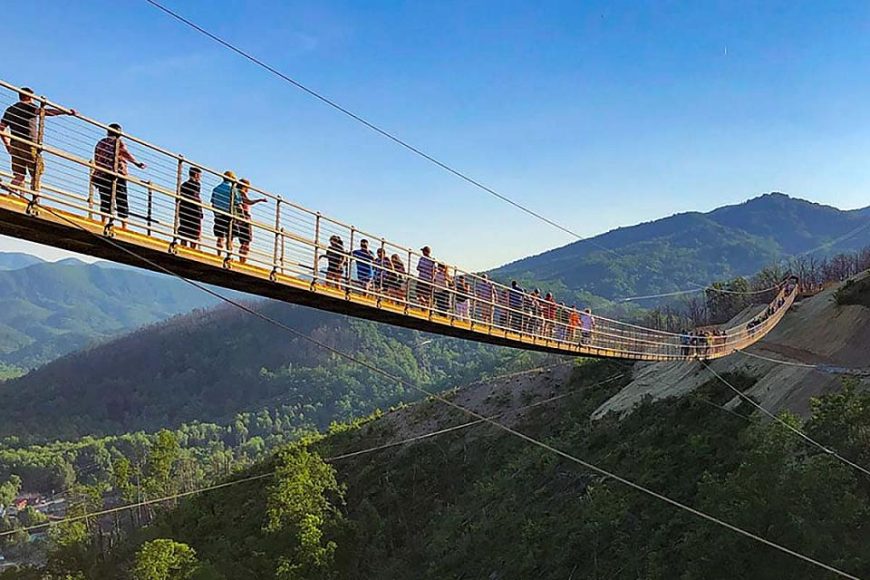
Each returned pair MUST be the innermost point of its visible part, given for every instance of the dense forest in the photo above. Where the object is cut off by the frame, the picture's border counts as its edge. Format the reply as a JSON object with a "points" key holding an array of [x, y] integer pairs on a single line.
{"points": [[480, 503], [210, 365]]}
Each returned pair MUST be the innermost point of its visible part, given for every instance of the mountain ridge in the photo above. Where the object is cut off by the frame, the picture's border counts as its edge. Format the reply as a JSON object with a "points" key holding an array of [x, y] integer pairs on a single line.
{"points": [[694, 248]]}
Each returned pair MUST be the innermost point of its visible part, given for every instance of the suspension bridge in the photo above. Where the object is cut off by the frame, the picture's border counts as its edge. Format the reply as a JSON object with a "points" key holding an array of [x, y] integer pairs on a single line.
{"points": [[146, 217]]}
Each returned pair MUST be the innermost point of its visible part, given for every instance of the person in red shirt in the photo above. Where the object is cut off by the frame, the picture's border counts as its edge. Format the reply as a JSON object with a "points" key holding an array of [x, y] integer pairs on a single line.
{"points": [[111, 157], [549, 313]]}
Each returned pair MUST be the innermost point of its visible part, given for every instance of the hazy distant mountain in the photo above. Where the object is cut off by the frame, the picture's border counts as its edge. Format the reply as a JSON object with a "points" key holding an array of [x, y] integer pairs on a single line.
{"points": [[50, 309], [677, 252], [16, 260]]}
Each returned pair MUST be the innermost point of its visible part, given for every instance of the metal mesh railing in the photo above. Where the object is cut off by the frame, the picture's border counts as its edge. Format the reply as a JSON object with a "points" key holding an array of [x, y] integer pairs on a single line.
{"points": [[133, 187]]}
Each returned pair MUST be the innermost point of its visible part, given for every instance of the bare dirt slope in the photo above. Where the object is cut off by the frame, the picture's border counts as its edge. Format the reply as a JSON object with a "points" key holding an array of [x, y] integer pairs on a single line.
{"points": [[505, 397], [817, 331]]}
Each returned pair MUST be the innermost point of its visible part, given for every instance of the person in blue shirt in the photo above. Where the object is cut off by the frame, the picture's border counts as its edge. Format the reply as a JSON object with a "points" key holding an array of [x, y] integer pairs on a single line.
{"points": [[363, 258], [222, 201]]}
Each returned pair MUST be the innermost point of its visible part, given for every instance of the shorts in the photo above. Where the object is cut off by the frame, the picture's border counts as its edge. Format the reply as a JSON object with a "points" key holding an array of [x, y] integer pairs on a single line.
{"points": [[242, 231], [189, 222], [221, 225], [24, 159]]}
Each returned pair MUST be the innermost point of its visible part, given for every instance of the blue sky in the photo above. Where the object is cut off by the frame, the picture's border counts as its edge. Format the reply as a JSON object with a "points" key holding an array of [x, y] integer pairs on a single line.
{"points": [[599, 114]]}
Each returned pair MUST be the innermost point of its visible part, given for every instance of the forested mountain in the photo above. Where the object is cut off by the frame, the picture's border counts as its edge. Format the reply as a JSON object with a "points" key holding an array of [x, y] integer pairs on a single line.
{"points": [[50, 309], [210, 365], [694, 248], [480, 503]]}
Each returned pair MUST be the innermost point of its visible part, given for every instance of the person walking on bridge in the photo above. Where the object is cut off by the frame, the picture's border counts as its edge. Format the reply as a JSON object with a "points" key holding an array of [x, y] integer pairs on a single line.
{"points": [[190, 209], [335, 261], [222, 201], [242, 226], [363, 257], [395, 280], [515, 303], [485, 297], [110, 176], [549, 308], [425, 275], [573, 323], [21, 120], [587, 326], [463, 296]]}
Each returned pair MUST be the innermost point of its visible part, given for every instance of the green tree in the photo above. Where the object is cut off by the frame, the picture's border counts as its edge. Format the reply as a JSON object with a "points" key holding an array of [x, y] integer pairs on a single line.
{"points": [[809, 502], [161, 457], [121, 478], [9, 490], [164, 559], [300, 503]]}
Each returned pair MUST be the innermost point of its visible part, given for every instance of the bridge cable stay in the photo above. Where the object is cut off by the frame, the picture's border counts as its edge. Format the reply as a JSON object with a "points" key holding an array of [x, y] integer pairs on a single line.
{"points": [[796, 430], [298, 233], [475, 415], [393, 137]]}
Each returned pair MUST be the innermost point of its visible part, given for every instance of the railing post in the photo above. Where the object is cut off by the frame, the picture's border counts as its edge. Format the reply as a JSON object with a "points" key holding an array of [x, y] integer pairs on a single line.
{"points": [[379, 275], [283, 243], [90, 193], [408, 285], [452, 296], [232, 221], [316, 271], [149, 211], [347, 274], [277, 235], [178, 180], [35, 182]]}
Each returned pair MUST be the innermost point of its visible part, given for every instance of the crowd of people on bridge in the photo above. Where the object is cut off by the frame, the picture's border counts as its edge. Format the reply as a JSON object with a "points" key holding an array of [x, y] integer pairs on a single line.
{"points": [[438, 288]]}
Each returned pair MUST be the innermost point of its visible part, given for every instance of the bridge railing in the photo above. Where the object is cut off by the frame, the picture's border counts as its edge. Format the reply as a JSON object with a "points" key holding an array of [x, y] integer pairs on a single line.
{"points": [[289, 240]]}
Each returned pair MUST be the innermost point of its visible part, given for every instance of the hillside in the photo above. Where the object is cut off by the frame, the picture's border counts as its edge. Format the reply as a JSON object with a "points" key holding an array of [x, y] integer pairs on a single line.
{"points": [[693, 248], [475, 502], [818, 331], [210, 365], [51, 309]]}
